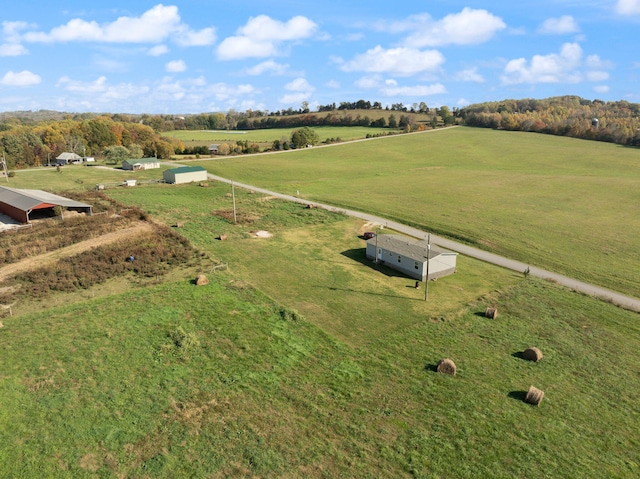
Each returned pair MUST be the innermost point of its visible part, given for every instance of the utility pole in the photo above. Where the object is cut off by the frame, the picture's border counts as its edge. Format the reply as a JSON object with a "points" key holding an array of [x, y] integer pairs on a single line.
{"points": [[426, 282]]}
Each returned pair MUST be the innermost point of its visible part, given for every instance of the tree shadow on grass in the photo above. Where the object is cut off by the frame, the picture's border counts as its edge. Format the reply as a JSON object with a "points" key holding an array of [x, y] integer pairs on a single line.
{"points": [[518, 395]]}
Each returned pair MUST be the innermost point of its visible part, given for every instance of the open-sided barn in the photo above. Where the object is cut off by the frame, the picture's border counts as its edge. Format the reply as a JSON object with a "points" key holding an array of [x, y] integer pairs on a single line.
{"points": [[409, 256], [25, 205]]}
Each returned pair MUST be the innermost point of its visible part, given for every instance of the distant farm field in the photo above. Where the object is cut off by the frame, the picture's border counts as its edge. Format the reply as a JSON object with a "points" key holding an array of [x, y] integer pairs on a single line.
{"points": [[563, 204], [269, 136]]}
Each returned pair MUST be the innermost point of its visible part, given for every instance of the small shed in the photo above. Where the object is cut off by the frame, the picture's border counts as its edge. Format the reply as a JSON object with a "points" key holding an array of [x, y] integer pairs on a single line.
{"points": [[213, 149], [409, 256], [68, 158], [185, 174], [140, 164]]}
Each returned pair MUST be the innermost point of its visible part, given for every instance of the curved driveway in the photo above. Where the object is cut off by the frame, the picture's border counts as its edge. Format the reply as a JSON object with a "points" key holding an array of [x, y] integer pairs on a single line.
{"points": [[626, 302]]}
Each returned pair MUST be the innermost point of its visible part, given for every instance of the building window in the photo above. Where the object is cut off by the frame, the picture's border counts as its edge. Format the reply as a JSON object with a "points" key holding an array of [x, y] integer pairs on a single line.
{"points": [[415, 265], [399, 259]]}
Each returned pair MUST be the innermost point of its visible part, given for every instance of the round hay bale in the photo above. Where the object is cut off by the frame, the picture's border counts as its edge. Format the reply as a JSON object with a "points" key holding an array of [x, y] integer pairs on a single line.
{"points": [[201, 280], [1, 325], [446, 366], [491, 313], [534, 396], [180, 224], [532, 354], [204, 184], [222, 237]]}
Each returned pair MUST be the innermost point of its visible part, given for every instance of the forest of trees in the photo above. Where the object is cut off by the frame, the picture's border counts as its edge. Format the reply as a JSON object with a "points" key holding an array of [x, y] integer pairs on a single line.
{"points": [[615, 122], [25, 143]]}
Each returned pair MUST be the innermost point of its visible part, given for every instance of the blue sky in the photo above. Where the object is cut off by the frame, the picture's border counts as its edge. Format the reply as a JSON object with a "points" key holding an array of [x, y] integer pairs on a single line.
{"points": [[202, 56]]}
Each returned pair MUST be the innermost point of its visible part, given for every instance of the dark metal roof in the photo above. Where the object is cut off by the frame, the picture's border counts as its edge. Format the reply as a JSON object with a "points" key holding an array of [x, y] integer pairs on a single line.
{"points": [[186, 169], [407, 247], [28, 199]]}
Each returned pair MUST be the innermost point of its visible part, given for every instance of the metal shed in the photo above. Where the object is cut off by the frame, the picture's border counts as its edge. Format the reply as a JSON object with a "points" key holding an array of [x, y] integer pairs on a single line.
{"points": [[185, 174], [409, 256], [23, 205], [140, 164]]}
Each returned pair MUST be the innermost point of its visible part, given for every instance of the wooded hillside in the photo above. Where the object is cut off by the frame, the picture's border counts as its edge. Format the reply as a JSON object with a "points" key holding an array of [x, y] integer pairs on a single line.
{"points": [[614, 122]]}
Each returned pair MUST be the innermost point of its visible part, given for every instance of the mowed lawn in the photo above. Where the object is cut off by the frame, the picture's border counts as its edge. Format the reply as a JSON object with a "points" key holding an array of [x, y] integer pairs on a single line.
{"points": [[305, 361], [563, 204]]}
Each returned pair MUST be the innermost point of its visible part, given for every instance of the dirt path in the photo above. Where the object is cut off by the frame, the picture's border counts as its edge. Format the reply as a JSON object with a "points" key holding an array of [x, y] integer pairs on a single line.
{"points": [[45, 259]]}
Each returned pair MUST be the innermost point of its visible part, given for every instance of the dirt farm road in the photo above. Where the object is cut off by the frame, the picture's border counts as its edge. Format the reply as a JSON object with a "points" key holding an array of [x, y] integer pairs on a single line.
{"points": [[31, 263], [626, 302]]}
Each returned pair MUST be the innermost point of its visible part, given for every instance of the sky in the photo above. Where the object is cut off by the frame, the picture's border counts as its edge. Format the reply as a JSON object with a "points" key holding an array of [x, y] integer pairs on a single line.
{"points": [[195, 56]]}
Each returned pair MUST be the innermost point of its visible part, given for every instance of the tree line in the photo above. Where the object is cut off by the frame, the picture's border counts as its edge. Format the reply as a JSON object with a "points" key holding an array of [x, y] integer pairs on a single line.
{"points": [[614, 122], [27, 145]]}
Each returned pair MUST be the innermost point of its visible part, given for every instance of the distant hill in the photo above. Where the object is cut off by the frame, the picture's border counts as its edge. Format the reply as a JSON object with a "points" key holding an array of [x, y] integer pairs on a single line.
{"points": [[614, 122]]}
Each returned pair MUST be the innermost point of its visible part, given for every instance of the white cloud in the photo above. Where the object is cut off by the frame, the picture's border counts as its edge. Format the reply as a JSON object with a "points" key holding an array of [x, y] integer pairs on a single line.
{"points": [[601, 89], [175, 66], [235, 48], [597, 76], [267, 29], [470, 75], [594, 61], [628, 7], [188, 38], [100, 91], [262, 36], [401, 61], [369, 82], [12, 50], [332, 84], [153, 26], [11, 30], [299, 84], [23, 78], [416, 90], [267, 67], [469, 27], [96, 86], [293, 98], [158, 50], [559, 26], [563, 67]]}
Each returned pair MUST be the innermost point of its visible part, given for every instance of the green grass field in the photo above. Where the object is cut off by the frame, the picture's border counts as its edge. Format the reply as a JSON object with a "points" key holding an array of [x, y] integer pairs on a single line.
{"points": [[304, 360], [558, 203], [345, 133], [227, 379]]}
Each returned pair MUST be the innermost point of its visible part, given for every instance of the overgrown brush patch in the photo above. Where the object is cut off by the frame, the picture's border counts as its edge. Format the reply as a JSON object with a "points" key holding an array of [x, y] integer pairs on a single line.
{"points": [[155, 253], [50, 235]]}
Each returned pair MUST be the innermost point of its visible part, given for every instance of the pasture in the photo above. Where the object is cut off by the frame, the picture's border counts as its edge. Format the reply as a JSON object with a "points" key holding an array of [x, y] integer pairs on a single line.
{"points": [[563, 204], [304, 360], [267, 137]]}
